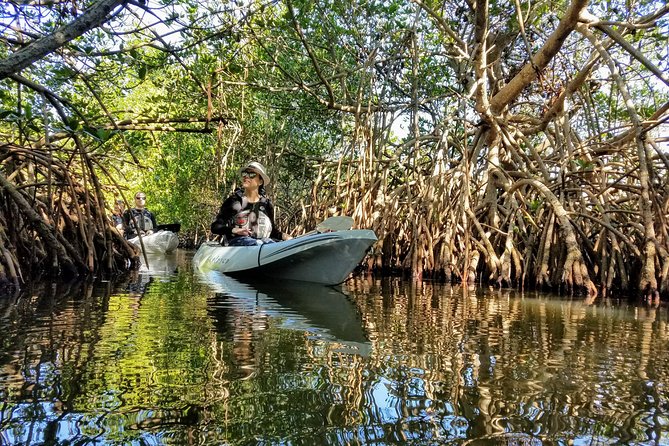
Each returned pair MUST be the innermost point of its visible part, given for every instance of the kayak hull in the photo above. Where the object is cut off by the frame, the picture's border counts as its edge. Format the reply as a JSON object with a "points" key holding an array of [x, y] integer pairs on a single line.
{"points": [[160, 242], [327, 258]]}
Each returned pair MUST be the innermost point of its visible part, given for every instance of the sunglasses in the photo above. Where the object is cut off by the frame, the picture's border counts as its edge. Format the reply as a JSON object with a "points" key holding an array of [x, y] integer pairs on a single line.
{"points": [[249, 174], [140, 197]]}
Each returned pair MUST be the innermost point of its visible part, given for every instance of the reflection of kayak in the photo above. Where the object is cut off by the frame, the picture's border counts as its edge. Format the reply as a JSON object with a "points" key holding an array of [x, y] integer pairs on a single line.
{"points": [[159, 263], [159, 242], [319, 309], [327, 258], [321, 305]]}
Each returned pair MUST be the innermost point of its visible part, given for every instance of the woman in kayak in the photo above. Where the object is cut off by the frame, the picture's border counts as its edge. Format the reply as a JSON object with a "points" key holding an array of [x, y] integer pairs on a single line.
{"points": [[246, 218]]}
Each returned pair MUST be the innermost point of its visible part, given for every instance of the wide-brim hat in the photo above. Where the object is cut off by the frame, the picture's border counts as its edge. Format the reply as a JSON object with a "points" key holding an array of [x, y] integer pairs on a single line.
{"points": [[256, 167]]}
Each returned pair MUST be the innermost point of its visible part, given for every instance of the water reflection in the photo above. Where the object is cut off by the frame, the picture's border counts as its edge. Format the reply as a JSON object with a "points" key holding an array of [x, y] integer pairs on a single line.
{"points": [[505, 363], [168, 357], [153, 267], [161, 264], [321, 311]]}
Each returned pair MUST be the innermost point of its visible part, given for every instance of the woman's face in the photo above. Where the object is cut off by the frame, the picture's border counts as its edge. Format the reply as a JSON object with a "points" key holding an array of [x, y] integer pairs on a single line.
{"points": [[251, 179]]}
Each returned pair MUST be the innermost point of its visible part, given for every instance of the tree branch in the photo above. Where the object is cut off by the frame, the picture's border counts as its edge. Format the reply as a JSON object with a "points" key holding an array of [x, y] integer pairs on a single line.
{"points": [[93, 17], [620, 40], [539, 61], [311, 54]]}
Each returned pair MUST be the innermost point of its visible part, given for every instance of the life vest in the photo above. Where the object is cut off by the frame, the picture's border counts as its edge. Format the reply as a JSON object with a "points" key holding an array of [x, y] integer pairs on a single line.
{"points": [[143, 219], [253, 217]]}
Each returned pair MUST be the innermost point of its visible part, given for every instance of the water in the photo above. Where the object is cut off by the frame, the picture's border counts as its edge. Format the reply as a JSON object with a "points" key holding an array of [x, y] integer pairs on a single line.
{"points": [[170, 356]]}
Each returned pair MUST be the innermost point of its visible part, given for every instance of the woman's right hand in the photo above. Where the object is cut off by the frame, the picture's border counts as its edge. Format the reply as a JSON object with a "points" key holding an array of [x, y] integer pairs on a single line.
{"points": [[241, 232]]}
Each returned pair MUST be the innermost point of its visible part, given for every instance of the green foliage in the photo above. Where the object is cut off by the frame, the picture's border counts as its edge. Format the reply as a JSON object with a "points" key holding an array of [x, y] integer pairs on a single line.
{"points": [[583, 165], [181, 176], [290, 107], [535, 205]]}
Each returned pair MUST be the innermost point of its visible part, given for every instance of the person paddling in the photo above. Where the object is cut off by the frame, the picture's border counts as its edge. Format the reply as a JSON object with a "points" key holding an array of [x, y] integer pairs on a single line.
{"points": [[246, 218], [139, 215], [117, 217]]}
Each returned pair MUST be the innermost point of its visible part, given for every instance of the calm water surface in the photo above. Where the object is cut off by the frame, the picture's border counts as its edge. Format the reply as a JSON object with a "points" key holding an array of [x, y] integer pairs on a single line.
{"points": [[170, 356]]}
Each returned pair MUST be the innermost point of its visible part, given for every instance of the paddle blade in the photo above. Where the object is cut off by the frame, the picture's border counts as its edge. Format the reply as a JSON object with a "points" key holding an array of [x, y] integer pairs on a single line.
{"points": [[338, 223]]}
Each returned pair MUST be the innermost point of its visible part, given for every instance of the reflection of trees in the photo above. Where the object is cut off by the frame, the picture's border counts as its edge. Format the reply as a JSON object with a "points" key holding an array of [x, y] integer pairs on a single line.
{"points": [[448, 364], [510, 362], [94, 357], [120, 365], [31, 388], [234, 354]]}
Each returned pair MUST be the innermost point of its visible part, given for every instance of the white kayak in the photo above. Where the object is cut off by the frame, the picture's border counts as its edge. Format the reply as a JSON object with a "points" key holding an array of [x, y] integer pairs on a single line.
{"points": [[327, 258], [160, 242]]}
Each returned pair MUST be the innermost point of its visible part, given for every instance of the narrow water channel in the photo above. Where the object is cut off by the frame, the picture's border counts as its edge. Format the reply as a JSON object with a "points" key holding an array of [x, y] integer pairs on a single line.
{"points": [[172, 356]]}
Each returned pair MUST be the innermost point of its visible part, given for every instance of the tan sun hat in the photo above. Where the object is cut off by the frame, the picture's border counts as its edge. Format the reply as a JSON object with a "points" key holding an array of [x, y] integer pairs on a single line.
{"points": [[256, 167]]}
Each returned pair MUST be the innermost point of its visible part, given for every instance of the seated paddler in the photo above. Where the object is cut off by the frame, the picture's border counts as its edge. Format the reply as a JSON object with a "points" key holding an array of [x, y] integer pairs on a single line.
{"points": [[246, 218], [138, 219]]}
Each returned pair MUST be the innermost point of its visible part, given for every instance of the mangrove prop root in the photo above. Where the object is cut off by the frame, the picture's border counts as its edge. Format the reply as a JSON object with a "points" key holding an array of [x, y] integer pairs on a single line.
{"points": [[53, 224]]}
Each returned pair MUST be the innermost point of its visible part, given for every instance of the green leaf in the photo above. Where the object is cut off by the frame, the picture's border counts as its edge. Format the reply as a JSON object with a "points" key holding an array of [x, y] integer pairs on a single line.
{"points": [[64, 72], [91, 131], [73, 123], [104, 134], [141, 73], [31, 125], [583, 164], [535, 204], [27, 112]]}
